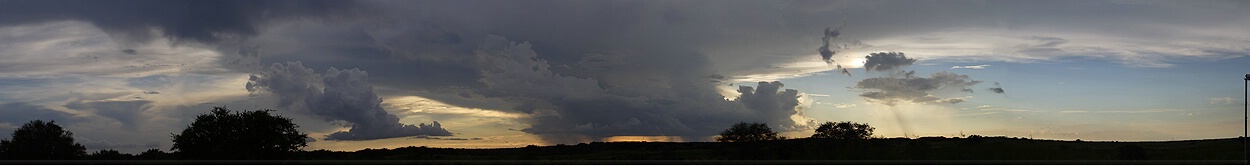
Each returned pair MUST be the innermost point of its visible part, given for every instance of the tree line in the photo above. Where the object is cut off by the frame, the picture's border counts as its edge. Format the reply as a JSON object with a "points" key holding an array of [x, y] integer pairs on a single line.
{"points": [[259, 135], [219, 134], [748, 132]]}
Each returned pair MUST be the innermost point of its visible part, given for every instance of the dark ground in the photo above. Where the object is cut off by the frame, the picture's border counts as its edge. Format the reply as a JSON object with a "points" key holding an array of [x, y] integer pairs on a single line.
{"points": [[929, 150]]}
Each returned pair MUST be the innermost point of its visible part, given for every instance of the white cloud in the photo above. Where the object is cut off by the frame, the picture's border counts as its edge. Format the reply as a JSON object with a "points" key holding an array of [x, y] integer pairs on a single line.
{"points": [[845, 105], [421, 105], [991, 108], [1221, 100], [970, 67]]}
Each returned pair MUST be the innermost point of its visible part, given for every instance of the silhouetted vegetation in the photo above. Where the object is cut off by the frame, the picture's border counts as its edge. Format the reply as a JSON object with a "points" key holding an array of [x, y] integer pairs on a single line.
{"points": [[154, 154], [110, 155], [37, 140], [929, 148], [746, 132], [843, 130], [221, 134]]}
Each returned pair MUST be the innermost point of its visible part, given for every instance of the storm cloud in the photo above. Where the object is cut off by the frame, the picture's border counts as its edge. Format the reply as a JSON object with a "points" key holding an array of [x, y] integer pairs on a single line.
{"points": [[179, 20], [909, 88], [337, 96], [566, 109]]}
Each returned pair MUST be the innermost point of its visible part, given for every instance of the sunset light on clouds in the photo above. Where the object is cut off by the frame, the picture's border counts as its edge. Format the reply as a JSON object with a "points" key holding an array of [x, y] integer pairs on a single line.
{"points": [[489, 74]]}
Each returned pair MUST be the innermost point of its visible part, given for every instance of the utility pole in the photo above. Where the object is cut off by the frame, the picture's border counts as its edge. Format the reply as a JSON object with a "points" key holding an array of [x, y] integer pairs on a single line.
{"points": [[1245, 90]]}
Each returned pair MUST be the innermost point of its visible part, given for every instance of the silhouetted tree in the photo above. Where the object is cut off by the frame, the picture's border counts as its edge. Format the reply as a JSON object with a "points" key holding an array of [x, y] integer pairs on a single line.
{"points": [[746, 132], [154, 154], [109, 155], [37, 140], [843, 130], [239, 135]]}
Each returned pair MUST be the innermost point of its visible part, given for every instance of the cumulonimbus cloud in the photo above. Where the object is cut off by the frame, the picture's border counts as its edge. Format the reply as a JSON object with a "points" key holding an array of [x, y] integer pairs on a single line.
{"points": [[564, 108], [337, 95]]}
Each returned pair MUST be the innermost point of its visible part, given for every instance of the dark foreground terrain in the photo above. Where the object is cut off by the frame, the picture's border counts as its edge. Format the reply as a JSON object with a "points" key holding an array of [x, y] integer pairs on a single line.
{"points": [[984, 150]]}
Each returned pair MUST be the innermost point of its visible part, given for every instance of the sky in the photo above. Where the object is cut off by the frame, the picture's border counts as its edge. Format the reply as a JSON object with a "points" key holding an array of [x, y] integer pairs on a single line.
{"points": [[126, 74]]}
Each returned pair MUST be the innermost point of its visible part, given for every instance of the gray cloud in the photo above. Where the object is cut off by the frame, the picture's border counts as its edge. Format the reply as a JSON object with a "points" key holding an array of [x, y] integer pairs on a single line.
{"points": [[19, 113], [825, 52], [909, 88], [189, 20], [769, 99], [884, 61], [605, 59], [567, 109], [997, 88], [338, 95], [128, 113], [648, 58]]}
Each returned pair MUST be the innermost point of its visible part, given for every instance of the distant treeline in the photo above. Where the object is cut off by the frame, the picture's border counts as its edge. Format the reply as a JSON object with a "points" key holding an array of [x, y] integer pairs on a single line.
{"points": [[227, 137]]}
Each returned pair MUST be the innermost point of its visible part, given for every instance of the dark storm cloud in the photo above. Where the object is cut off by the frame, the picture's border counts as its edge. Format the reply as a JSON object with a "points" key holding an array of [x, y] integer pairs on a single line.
{"points": [[566, 109], [597, 68], [597, 56], [909, 88], [338, 95], [128, 113], [189, 20], [884, 61], [325, 46]]}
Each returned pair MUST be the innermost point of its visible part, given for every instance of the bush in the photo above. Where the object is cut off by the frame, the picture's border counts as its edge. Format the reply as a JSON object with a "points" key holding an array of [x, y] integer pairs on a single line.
{"points": [[37, 140], [109, 155], [221, 134], [843, 130], [747, 132]]}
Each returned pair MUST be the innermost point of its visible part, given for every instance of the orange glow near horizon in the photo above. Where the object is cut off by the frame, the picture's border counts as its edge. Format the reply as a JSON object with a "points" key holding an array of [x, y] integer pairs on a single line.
{"points": [[644, 139]]}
